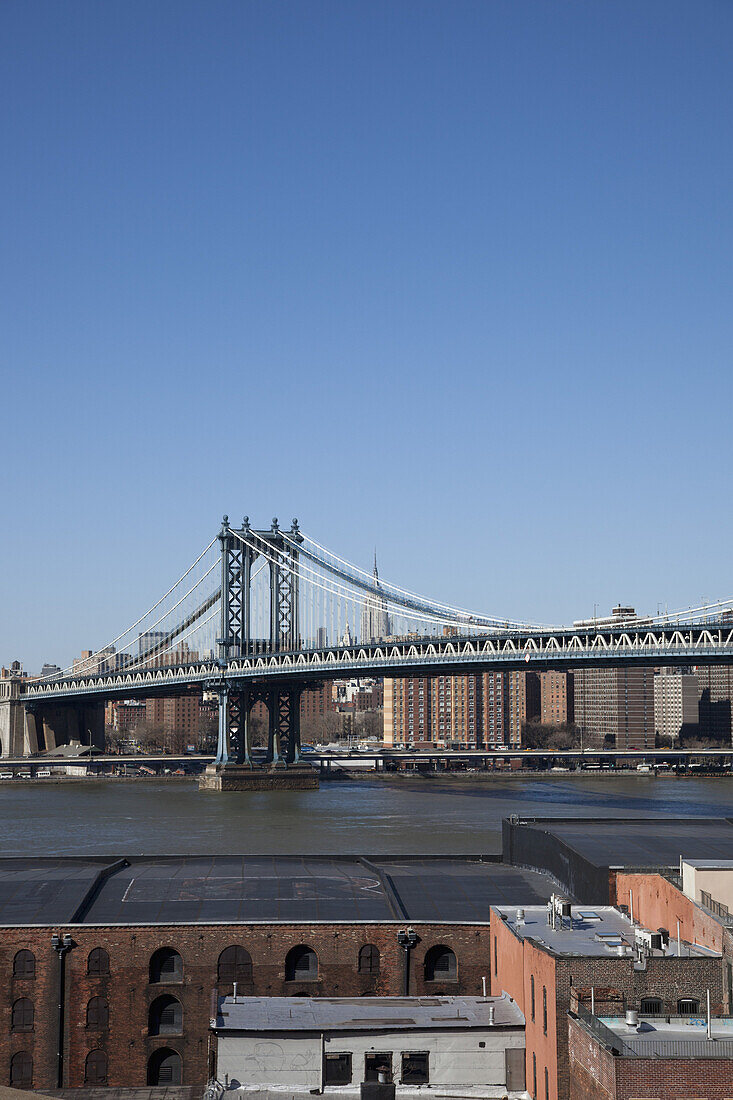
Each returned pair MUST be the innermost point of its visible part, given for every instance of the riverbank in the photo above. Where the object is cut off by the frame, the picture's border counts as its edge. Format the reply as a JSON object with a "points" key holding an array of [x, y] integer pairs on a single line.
{"points": [[486, 778]]}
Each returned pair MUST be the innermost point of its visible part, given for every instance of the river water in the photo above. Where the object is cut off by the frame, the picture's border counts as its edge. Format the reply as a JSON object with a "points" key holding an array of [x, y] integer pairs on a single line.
{"points": [[411, 816]]}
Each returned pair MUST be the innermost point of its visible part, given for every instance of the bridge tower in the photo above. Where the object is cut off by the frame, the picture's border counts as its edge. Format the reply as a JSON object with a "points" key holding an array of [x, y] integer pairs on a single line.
{"points": [[240, 549]]}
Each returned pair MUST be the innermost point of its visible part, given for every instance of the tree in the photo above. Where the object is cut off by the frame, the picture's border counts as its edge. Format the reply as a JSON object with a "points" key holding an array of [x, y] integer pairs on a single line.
{"points": [[563, 736]]}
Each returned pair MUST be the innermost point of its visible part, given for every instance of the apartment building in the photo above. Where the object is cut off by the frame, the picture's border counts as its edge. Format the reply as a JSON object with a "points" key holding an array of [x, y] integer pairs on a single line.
{"points": [[472, 709], [615, 703]]}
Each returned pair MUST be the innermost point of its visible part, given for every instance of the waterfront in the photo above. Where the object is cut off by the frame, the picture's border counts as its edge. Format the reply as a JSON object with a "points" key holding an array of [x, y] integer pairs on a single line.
{"points": [[366, 817]]}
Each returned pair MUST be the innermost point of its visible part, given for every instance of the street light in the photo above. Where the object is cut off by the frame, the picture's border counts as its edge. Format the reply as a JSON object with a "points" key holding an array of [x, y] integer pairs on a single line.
{"points": [[60, 945], [407, 938]]}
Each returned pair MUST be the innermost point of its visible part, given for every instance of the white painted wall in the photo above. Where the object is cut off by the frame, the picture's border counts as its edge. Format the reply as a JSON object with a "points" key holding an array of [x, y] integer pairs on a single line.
{"points": [[716, 881], [275, 1059]]}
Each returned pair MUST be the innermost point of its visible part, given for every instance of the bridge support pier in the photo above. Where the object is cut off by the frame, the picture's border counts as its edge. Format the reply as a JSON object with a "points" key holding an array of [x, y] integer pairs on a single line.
{"points": [[234, 769], [28, 728]]}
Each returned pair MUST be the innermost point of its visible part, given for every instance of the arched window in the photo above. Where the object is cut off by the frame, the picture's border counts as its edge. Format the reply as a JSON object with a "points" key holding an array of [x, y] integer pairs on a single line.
{"points": [[301, 964], [165, 1016], [24, 965], [441, 965], [688, 1006], [651, 1006], [95, 1068], [235, 965], [98, 963], [22, 1019], [368, 959], [164, 1067], [98, 1013], [166, 965], [21, 1070]]}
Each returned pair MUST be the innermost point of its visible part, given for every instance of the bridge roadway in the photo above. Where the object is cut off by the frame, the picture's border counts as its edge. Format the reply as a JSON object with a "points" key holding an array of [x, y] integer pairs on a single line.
{"points": [[378, 758], [677, 644]]}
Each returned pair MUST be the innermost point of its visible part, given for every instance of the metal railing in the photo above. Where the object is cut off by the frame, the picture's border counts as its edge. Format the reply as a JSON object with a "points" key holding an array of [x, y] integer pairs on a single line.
{"points": [[654, 1045]]}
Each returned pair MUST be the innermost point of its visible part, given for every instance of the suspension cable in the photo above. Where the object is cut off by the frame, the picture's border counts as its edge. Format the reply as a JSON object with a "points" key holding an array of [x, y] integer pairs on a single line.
{"points": [[124, 633], [375, 600], [461, 613]]}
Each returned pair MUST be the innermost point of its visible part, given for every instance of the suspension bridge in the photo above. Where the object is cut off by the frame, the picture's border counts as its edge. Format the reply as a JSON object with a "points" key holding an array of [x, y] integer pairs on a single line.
{"points": [[261, 615]]}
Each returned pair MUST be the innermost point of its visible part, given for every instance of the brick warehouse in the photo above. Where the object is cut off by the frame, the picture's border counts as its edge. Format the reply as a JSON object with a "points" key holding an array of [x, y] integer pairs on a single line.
{"points": [[137, 992]]}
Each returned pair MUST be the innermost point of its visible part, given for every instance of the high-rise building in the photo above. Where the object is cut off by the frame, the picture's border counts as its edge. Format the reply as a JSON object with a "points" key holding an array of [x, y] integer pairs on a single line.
{"points": [[374, 614], [315, 702], [471, 709], [556, 698], [675, 703], [617, 703], [715, 685], [175, 717]]}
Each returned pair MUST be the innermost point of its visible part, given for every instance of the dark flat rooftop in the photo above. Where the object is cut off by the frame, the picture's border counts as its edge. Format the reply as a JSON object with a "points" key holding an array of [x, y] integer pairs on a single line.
{"points": [[637, 843], [231, 889]]}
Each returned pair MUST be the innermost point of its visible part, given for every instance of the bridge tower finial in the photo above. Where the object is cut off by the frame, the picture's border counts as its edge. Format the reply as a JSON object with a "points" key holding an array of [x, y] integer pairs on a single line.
{"points": [[275, 526]]}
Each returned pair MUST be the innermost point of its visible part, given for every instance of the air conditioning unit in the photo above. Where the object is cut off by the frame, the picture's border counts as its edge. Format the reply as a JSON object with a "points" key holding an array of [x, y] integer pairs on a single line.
{"points": [[648, 941]]}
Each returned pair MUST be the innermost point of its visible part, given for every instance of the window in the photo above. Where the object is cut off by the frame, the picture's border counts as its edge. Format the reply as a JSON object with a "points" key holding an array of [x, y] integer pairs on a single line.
{"points": [[98, 1013], [24, 965], [165, 1016], [651, 1006], [496, 961], [440, 965], [95, 1068], [22, 1018], [21, 1070], [98, 962], [301, 964], [166, 965], [547, 1084], [376, 1063], [531, 996], [369, 960], [235, 965], [688, 1006], [337, 1069], [165, 1067], [544, 1009], [415, 1069], [534, 1074]]}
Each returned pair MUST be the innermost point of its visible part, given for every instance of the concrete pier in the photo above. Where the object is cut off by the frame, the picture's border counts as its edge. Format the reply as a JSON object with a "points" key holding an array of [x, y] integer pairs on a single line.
{"points": [[241, 777]]}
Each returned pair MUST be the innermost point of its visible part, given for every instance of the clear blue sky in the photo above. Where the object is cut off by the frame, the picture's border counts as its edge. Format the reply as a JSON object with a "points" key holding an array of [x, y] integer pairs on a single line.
{"points": [[452, 278]]}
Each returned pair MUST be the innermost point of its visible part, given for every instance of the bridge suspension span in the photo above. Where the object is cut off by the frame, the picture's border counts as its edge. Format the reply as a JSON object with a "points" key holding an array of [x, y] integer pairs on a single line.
{"points": [[261, 612]]}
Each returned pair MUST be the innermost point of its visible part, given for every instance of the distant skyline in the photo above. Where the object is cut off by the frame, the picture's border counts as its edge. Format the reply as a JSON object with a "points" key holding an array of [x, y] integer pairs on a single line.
{"points": [[452, 278]]}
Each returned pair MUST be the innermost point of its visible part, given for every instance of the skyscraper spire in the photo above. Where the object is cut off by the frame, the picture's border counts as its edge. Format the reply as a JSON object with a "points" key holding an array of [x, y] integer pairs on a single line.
{"points": [[375, 623]]}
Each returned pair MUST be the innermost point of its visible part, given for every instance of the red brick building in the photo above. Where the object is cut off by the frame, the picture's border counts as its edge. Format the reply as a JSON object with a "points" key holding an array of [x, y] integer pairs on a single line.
{"points": [[475, 710], [550, 971], [556, 698], [612, 1061]]}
